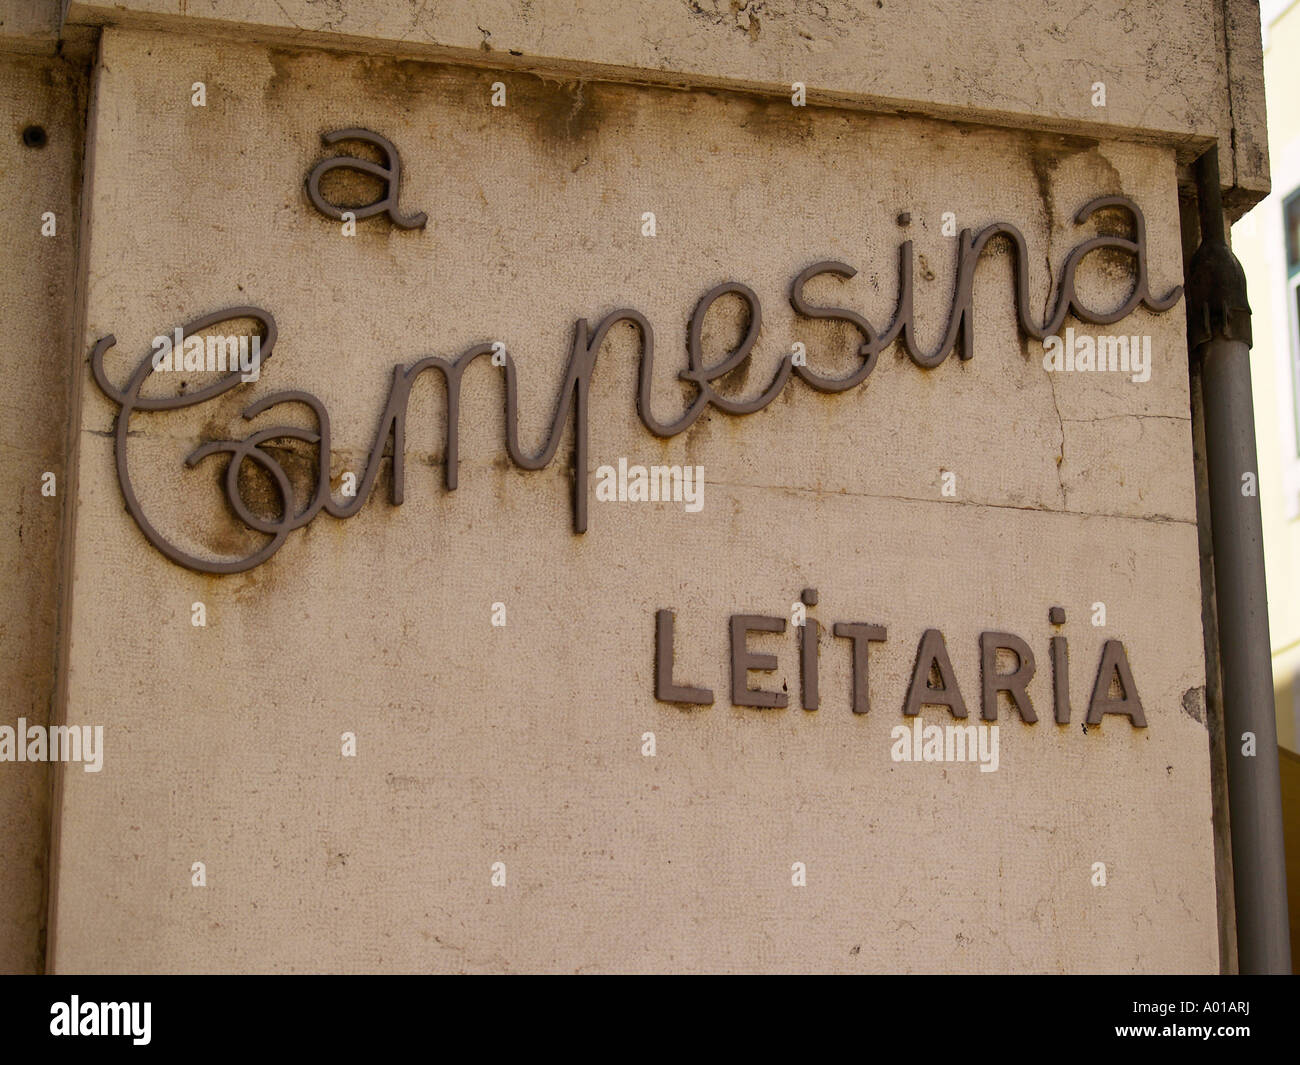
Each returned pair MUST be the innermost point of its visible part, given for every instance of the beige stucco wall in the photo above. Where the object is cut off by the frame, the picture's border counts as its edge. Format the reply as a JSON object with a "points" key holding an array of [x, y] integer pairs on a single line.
{"points": [[36, 323], [522, 744]]}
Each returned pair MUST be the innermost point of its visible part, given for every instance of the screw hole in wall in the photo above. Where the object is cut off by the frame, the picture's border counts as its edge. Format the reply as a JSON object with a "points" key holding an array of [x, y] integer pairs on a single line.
{"points": [[35, 137]]}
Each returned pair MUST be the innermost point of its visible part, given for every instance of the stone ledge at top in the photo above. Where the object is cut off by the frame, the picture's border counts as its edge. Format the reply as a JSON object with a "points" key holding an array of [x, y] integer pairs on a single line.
{"points": [[1177, 72], [30, 25]]}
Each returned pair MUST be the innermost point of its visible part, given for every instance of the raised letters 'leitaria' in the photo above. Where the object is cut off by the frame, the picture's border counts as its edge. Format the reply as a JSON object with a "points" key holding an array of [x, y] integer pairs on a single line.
{"points": [[573, 399]]}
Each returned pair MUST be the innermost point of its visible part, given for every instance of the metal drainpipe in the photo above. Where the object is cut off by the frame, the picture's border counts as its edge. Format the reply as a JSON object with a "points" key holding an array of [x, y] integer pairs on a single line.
{"points": [[1218, 333]]}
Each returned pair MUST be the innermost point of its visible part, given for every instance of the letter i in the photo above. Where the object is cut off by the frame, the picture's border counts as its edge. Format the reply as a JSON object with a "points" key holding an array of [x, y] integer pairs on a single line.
{"points": [[1060, 668], [808, 635]]}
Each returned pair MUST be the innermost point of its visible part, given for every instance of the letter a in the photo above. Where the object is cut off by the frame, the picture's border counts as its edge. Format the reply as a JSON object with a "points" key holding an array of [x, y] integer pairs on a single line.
{"points": [[932, 655], [1114, 662]]}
